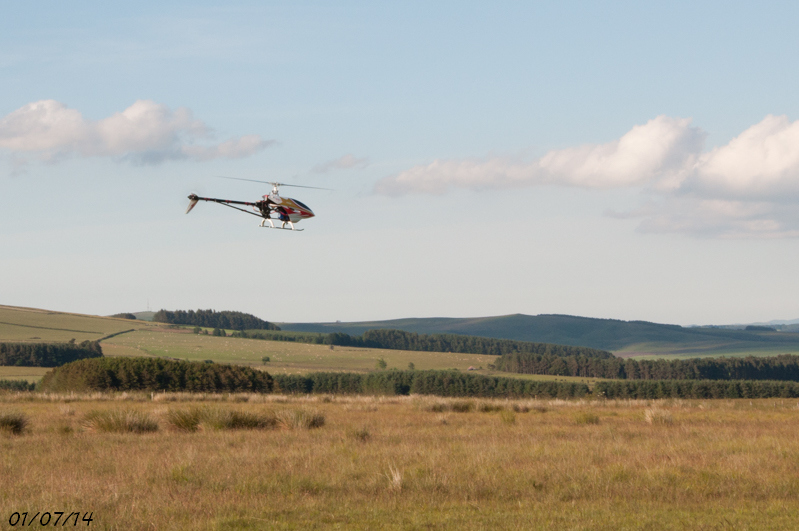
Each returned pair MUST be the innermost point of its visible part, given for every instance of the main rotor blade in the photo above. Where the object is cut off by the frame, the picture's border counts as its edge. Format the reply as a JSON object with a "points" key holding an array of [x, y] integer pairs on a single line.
{"points": [[273, 183]]}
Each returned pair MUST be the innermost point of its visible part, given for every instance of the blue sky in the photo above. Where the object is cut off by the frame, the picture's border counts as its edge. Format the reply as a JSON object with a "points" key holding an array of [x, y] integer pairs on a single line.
{"points": [[630, 161]]}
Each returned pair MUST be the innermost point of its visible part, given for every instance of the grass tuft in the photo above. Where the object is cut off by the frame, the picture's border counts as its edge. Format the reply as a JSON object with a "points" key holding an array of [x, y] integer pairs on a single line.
{"points": [[394, 478], [300, 418], [184, 419], [585, 417], [462, 406], [508, 417], [361, 435], [120, 421], [13, 422], [488, 407], [190, 420], [657, 416]]}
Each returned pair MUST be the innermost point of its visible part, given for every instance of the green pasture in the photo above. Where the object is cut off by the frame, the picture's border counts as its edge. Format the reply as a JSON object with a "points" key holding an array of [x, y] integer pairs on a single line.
{"points": [[32, 325]]}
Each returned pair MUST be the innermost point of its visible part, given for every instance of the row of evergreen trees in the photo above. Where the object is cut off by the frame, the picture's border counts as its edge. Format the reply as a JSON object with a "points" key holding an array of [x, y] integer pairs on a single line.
{"points": [[16, 385], [783, 367], [400, 340], [213, 319], [651, 389], [154, 374], [47, 354], [440, 383]]}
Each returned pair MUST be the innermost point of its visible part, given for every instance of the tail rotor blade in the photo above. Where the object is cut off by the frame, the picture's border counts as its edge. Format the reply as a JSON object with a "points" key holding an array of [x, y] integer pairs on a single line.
{"points": [[193, 202]]}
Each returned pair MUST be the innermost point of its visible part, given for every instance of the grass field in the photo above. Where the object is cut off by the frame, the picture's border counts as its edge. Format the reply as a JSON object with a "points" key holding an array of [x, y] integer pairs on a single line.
{"points": [[42, 326], [402, 463], [670, 351], [30, 374]]}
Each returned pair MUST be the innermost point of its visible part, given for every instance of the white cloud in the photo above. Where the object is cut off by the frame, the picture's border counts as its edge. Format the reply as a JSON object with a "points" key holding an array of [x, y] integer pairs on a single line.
{"points": [[145, 132], [746, 188], [660, 150], [346, 162], [763, 161]]}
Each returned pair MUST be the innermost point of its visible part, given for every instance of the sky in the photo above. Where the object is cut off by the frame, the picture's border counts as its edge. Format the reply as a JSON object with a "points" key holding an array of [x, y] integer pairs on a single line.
{"points": [[625, 160]]}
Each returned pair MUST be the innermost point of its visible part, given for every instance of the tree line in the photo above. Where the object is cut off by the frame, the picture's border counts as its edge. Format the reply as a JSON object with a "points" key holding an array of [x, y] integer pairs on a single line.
{"points": [[213, 319], [16, 385], [401, 340], [47, 354], [440, 383], [154, 374], [783, 367], [651, 389]]}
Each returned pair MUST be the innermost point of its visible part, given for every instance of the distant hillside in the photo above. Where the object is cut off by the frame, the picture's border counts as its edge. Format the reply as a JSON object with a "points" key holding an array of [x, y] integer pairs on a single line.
{"points": [[629, 337], [144, 316]]}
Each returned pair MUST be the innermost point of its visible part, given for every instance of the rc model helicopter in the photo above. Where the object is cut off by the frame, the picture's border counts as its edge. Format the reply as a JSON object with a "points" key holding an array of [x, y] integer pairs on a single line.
{"points": [[287, 210]]}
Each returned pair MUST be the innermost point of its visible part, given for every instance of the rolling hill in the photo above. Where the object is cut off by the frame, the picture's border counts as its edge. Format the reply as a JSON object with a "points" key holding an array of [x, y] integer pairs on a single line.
{"points": [[627, 338], [624, 338]]}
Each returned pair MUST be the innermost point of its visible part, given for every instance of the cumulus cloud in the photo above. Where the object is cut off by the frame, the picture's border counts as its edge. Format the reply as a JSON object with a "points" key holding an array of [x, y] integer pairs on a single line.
{"points": [[346, 162], [763, 161], [746, 188], [659, 150], [145, 132]]}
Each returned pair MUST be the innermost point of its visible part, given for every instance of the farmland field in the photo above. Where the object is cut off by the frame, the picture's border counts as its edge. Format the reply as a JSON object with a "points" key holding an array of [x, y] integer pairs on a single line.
{"points": [[158, 340], [711, 350], [289, 357], [410, 462], [30, 374], [42, 326]]}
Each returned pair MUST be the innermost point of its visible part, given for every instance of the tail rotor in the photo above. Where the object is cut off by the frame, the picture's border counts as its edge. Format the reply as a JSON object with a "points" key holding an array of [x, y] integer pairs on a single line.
{"points": [[193, 200]]}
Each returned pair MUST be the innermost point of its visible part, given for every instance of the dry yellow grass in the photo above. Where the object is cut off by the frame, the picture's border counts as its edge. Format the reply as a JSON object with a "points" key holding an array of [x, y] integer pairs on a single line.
{"points": [[402, 463]]}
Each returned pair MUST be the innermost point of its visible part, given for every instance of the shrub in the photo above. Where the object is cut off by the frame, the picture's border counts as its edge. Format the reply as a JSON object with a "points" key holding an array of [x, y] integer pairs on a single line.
{"points": [[13, 422], [120, 421]]}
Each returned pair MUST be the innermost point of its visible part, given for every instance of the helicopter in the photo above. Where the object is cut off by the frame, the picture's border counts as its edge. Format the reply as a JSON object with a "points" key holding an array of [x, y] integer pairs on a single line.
{"points": [[288, 211]]}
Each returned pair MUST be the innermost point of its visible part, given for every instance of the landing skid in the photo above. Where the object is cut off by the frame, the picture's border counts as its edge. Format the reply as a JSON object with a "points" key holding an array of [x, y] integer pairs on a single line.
{"points": [[280, 228]]}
